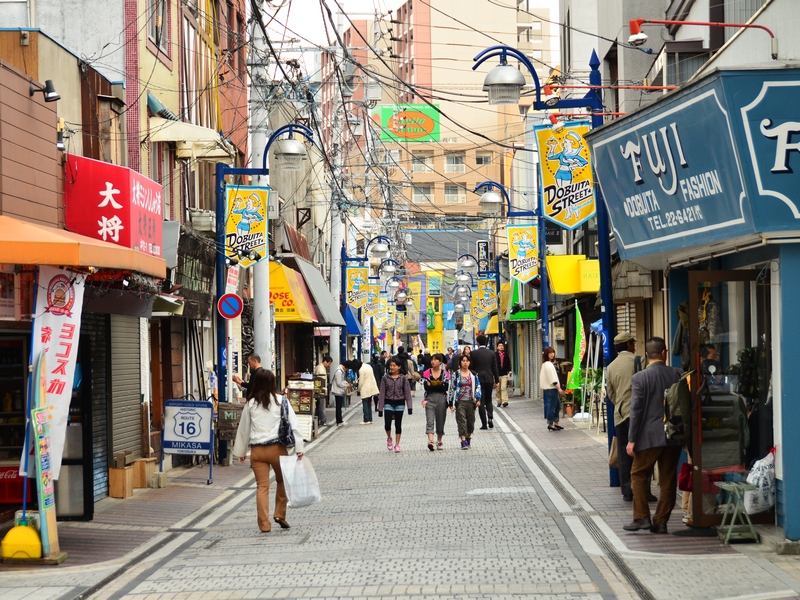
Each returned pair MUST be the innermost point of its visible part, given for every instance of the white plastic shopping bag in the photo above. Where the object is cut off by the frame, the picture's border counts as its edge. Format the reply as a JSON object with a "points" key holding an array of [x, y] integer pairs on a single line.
{"points": [[300, 481], [762, 475]]}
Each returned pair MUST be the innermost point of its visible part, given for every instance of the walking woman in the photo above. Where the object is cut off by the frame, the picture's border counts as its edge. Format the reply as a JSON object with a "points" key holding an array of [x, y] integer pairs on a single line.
{"points": [[394, 397], [465, 397], [435, 382], [551, 388], [258, 428]]}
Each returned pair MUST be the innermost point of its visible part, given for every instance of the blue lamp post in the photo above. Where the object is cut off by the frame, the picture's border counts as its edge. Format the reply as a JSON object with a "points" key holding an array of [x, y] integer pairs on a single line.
{"points": [[381, 250], [292, 151], [504, 83]]}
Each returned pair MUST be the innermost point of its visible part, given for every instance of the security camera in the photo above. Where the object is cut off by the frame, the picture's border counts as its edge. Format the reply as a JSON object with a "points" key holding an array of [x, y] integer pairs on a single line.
{"points": [[638, 39]]}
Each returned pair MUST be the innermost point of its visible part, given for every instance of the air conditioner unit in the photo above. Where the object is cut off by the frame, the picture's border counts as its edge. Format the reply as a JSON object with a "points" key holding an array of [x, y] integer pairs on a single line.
{"points": [[204, 221]]}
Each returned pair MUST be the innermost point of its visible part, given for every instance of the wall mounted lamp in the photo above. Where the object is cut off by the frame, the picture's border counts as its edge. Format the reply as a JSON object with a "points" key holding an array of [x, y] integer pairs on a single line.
{"points": [[49, 91]]}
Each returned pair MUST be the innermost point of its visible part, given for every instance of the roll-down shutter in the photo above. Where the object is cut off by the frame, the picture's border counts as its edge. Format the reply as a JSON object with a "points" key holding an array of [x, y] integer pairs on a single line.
{"points": [[96, 327], [125, 376]]}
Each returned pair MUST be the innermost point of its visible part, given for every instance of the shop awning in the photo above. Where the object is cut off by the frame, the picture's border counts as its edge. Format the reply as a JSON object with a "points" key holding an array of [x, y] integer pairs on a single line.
{"points": [[326, 307], [24, 243], [351, 318], [573, 274], [192, 141], [288, 295], [492, 327], [167, 305]]}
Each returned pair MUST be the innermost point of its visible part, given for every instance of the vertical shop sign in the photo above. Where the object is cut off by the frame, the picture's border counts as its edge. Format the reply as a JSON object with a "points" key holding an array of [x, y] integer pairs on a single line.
{"points": [[487, 294], [246, 223], [56, 327], [40, 418], [371, 307], [566, 174], [483, 256], [356, 289], [523, 253]]}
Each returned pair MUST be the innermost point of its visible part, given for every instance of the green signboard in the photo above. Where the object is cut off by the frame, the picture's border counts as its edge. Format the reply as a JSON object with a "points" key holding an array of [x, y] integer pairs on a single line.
{"points": [[408, 122]]}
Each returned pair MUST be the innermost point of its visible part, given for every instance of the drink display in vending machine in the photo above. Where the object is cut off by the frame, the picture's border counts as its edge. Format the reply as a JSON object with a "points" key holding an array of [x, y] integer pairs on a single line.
{"points": [[13, 402]]}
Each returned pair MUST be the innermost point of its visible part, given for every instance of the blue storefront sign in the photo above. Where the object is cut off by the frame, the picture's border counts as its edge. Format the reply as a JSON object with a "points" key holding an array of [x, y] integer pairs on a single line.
{"points": [[715, 161]]}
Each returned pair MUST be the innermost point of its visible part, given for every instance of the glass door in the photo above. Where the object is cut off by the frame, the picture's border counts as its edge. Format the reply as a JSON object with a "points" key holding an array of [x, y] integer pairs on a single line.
{"points": [[730, 352]]}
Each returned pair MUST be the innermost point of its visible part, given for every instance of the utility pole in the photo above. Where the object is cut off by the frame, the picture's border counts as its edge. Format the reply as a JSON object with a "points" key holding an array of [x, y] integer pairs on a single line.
{"points": [[337, 214], [263, 331]]}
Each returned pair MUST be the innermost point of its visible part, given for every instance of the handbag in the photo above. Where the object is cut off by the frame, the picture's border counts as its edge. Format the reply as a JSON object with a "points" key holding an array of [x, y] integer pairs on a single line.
{"points": [[685, 477], [285, 434], [613, 454]]}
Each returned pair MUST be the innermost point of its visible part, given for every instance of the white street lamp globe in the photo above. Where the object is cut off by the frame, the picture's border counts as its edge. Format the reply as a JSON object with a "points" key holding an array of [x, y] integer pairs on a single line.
{"points": [[392, 285], [289, 154], [468, 263], [504, 83], [491, 203], [462, 290], [464, 298], [464, 278], [380, 250], [388, 269], [400, 296], [459, 307]]}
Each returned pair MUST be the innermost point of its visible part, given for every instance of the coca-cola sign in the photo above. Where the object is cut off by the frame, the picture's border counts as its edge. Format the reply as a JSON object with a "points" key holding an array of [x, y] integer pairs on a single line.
{"points": [[9, 473]]}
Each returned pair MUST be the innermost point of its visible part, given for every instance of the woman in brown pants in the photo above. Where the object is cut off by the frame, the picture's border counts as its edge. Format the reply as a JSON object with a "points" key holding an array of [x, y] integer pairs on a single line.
{"points": [[258, 429]]}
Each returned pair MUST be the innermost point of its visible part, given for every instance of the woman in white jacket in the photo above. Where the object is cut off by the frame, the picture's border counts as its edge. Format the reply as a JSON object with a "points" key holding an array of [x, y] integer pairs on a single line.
{"points": [[258, 429], [367, 389]]}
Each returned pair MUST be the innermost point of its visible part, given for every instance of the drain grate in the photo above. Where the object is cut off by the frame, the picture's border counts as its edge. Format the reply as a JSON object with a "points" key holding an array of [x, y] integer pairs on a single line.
{"points": [[594, 531]]}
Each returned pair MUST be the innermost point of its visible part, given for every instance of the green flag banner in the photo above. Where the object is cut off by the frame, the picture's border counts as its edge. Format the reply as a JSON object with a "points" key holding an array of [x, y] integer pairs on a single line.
{"points": [[574, 380]]}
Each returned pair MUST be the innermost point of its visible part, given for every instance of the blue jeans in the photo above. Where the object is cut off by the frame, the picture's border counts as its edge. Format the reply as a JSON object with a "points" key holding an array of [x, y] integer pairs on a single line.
{"points": [[366, 404], [552, 405]]}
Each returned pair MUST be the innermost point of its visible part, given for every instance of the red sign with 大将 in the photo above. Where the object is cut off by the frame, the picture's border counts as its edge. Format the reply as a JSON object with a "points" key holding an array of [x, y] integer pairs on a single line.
{"points": [[113, 204]]}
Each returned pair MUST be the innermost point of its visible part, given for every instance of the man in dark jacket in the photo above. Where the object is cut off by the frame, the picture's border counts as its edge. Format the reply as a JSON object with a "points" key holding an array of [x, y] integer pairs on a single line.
{"points": [[647, 441], [379, 370], [484, 363]]}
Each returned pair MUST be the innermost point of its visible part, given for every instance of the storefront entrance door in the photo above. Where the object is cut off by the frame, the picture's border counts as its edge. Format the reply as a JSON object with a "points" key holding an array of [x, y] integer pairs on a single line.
{"points": [[730, 352]]}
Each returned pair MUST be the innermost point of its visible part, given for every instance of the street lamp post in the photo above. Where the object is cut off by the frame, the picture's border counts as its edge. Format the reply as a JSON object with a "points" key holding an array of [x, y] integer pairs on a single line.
{"points": [[504, 83], [381, 251], [290, 156]]}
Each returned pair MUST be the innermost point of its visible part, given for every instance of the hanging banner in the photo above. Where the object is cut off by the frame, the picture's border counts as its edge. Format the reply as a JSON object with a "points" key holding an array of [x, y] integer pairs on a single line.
{"points": [[487, 295], [476, 310], [356, 288], [574, 380], [467, 322], [523, 253], [400, 322], [565, 171], [483, 256], [55, 332], [246, 223], [372, 306], [382, 314]]}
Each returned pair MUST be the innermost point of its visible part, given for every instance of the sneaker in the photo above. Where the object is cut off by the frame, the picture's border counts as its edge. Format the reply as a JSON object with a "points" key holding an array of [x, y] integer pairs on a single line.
{"points": [[397, 448], [439, 446], [430, 446], [365, 422], [464, 445], [491, 425], [389, 444], [469, 442]]}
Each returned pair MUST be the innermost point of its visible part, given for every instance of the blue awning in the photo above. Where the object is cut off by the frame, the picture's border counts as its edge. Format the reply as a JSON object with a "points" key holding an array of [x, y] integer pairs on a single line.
{"points": [[351, 319]]}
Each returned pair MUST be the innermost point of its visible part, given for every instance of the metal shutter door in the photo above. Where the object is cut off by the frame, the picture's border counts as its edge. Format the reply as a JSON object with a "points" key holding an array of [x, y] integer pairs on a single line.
{"points": [[96, 327], [126, 401]]}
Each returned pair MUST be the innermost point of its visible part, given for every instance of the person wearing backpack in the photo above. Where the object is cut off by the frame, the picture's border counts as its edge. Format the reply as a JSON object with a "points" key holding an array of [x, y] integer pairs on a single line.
{"points": [[647, 440], [618, 385]]}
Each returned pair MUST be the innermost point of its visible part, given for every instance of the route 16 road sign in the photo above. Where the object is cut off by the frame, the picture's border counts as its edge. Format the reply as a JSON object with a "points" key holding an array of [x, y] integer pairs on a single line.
{"points": [[187, 427]]}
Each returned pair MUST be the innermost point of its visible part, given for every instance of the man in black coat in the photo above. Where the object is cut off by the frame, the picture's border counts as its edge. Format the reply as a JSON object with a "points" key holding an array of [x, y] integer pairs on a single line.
{"points": [[484, 363]]}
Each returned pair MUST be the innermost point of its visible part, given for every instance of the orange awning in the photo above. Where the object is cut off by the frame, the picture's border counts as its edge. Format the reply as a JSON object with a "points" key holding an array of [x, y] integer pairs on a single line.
{"points": [[288, 296], [24, 243]]}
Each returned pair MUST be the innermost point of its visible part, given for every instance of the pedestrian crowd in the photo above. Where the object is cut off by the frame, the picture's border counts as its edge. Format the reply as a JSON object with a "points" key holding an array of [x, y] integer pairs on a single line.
{"points": [[461, 384]]}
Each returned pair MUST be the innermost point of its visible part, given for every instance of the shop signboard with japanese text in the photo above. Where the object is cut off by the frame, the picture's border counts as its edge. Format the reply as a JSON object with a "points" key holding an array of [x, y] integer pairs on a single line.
{"points": [[482, 256], [565, 171], [55, 333], [673, 176], [356, 291], [408, 122], [523, 252], [246, 223], [114, 204]]}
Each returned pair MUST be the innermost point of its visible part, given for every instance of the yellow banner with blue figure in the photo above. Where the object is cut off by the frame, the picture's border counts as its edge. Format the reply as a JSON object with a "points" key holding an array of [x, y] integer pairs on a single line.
{"points": [[523, 252], [487, 295], [372, 306], [356, 289], [565, 170], [246, 223]]}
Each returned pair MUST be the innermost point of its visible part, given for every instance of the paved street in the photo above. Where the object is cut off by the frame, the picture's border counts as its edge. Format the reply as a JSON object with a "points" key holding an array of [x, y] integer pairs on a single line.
{"points": [[524, 513]]}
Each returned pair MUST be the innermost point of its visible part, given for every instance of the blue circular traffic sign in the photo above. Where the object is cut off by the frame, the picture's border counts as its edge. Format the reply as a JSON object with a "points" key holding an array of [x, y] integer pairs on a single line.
{"points": [[230, 306]]}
